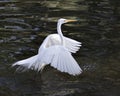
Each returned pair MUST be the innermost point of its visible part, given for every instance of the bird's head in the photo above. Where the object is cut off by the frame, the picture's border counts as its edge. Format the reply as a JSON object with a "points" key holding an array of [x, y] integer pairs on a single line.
{"points": [[62, 21]]}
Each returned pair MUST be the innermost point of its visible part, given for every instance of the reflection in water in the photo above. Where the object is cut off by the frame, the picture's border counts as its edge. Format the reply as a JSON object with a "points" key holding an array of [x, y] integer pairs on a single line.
{"points": [[23, 26]]}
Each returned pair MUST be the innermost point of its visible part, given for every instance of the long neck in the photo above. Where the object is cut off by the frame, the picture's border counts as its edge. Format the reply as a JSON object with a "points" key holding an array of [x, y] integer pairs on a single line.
{"points": [[60, 32]]}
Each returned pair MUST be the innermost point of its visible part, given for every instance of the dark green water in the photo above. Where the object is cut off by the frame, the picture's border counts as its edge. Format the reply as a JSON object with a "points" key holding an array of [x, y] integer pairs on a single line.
{"points": [[24, 25]]}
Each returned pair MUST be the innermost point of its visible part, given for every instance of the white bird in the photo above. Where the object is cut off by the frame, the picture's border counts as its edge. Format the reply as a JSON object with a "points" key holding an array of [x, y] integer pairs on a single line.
{"points": [[55, 50]]}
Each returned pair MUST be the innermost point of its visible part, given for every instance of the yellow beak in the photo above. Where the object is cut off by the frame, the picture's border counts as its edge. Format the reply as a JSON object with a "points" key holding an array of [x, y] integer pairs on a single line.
{"points": [[70, 21]]}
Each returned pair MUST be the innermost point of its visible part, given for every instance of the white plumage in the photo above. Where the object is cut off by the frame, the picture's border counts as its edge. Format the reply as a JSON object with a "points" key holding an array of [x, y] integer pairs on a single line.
{"points": [[55, 50]]}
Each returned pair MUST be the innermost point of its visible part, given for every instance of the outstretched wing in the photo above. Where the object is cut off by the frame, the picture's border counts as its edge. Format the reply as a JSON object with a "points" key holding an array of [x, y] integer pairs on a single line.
{"points": [[25, 64], [52, 52], [72, 45], [59, 57]]}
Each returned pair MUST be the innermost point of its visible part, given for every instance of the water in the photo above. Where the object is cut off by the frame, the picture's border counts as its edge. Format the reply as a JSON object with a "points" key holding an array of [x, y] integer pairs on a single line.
{"points": [[24, 25]]}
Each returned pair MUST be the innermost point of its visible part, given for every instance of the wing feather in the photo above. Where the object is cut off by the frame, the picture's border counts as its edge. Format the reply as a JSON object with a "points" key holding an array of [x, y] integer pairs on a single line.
{"points": [[52, 52], [65, 61], [72, 45]]}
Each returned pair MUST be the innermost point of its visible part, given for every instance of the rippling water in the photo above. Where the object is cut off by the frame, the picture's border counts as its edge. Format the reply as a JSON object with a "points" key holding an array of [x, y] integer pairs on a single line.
{"points": [[24, 25]]}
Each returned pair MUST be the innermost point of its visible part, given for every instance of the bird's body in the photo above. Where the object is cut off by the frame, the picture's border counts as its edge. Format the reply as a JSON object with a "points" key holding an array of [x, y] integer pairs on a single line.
{"points": [[55, 50]]}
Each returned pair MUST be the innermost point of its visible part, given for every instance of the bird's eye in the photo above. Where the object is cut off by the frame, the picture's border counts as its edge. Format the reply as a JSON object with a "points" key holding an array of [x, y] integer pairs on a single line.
{"points": [[64, 21]]}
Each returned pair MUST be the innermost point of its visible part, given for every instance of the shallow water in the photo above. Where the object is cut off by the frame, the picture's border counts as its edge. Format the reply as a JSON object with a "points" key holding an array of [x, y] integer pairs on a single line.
{"points": [[24, 25]]}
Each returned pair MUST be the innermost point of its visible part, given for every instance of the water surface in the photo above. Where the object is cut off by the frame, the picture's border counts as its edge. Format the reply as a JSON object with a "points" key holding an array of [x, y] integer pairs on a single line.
{"points": [[24, 25]]}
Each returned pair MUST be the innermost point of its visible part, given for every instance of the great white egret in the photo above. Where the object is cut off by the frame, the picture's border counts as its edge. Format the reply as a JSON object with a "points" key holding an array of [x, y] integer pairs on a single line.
{"points": [[55, 50]]}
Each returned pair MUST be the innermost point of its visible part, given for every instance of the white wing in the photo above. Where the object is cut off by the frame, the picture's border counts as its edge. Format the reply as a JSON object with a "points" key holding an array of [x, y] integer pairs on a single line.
{"points": [[54, 39], [25, 64], [72, 45], [52, 52], [59, 57]]}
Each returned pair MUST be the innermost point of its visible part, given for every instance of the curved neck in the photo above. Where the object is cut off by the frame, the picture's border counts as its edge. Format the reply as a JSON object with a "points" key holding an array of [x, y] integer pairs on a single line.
{"points": [[60, 32]]}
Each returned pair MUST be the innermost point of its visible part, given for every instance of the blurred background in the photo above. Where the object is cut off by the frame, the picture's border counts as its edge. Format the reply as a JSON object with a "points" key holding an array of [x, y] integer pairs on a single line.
{"points": [[25, 23]]}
